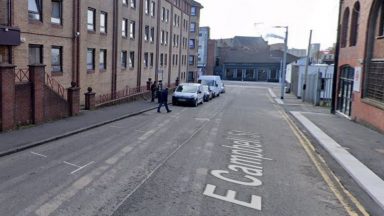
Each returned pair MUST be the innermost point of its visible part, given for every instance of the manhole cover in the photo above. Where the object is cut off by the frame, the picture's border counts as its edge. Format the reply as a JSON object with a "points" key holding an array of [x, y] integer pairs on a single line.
{"points": [[380, 151]]}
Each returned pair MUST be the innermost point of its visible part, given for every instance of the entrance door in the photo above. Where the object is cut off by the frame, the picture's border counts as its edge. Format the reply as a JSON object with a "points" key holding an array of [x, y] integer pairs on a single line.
{"points": [[344, 104]]}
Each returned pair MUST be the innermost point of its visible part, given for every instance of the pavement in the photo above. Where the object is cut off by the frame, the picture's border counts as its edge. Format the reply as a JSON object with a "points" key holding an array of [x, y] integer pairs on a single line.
{"points": [[31, 136], [359, 150]]}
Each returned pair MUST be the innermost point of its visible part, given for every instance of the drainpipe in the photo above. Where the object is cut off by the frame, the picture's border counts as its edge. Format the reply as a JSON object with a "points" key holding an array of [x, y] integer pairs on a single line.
{"points": [[114, 47], [140, 42], [336, 65]]}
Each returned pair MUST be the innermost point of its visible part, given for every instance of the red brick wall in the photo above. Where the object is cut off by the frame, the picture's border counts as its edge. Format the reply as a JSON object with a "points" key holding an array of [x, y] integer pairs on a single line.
{"points": [[54, 106], [354, 56], [23, 109]]}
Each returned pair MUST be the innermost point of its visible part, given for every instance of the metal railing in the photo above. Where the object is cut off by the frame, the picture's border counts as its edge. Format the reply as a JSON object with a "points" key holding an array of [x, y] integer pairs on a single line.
{"points": [[21, 75], [120, 95], [55, 86]]}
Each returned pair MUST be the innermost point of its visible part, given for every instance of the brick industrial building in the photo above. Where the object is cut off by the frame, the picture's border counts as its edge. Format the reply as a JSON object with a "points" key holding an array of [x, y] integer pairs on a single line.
{"points": [[104, 44], [108, 45], [360, 78]]}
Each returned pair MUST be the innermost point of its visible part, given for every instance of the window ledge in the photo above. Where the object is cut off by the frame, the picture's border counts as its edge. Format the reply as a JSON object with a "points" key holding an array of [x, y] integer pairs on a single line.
{"points": [[380, 37], [90, 71], [37, 22], [56, 25], [374, 103], [103, 33], [91, 32], [102, 70]]}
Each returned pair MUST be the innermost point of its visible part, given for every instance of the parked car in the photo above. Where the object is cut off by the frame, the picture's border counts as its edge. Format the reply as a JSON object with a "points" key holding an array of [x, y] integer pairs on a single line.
{"points": [[188, 93], [207, 93], [212, 81], [222, 87]]}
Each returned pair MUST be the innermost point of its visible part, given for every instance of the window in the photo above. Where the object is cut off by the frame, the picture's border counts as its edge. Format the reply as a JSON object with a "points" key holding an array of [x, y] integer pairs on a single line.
{"points": [[133, 3], [165, 59], [163, 14], [123, 59], [151, 59], [125, 2], [146, 59], [153, 9], [132, 28], [344, 28], [56, 16], [35, 54], [167, 17], [166, 38], [103, 22], [91, 59], [152, 34], [124, 27], [193, 11], [57, 59], [191, 43], [354, 24], [146, 33], [381, 25], [131, 59], [34, 9], [175, 20], [146, 5], [103, 59], [191, 60], [193, 27], [91, 19], [161, 59], [162, 37]]}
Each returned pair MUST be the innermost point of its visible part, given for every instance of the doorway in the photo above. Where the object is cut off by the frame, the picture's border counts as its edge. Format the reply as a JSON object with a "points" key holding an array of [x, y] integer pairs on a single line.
{"points": [[345, 90]]}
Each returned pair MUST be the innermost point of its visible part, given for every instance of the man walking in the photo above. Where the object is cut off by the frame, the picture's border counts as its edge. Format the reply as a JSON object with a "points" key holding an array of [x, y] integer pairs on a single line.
{"points": [[153, 90], [163, 100]]}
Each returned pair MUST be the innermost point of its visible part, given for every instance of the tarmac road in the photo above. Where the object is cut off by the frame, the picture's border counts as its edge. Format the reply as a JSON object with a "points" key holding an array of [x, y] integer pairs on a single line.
{"points": [[235, 155]]}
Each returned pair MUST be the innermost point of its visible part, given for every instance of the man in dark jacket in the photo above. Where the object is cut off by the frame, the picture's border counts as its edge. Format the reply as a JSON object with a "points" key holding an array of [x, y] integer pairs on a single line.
{"points": [[163, 100]]}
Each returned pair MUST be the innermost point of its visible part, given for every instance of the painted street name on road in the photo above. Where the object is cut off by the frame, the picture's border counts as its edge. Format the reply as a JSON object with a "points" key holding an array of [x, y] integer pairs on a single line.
{"points": [[246, 161]]}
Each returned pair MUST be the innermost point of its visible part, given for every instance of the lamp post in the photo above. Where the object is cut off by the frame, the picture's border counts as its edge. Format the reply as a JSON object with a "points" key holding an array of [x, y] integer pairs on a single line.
{"points": [[282, 80]]}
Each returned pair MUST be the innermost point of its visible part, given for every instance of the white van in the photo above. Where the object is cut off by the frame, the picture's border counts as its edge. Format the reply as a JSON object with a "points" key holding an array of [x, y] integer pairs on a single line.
{"points": [[214, 82]]}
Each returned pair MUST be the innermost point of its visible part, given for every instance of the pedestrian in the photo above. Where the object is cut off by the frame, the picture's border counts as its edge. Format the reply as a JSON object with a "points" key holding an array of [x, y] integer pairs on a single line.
{"points": [[163, 100], [154, 90]]}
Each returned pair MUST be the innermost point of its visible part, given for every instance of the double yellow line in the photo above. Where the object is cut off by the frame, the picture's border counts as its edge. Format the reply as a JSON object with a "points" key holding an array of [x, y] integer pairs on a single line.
{"points": [[352, 206]]}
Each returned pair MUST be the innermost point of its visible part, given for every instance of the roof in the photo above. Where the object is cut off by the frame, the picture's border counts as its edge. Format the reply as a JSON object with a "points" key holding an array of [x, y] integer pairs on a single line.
{"points": [[231, 55]]}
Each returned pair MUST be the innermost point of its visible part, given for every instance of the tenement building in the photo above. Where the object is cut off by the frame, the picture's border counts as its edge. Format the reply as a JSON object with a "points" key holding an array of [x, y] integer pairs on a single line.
{"points": [[108, 45], [360, 78]]}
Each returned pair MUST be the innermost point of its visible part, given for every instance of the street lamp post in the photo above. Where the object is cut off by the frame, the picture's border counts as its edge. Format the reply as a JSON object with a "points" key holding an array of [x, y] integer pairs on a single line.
{"points": [[282, 80]]}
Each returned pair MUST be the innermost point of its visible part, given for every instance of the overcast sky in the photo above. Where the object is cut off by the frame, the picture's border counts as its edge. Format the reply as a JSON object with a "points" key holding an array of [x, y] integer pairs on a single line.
{"points": [[228, 18]]}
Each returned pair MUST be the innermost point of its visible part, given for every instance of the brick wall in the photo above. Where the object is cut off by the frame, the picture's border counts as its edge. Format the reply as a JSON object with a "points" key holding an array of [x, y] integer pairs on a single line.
{"points": [[54, 106], [354, 56], [23, 112]]}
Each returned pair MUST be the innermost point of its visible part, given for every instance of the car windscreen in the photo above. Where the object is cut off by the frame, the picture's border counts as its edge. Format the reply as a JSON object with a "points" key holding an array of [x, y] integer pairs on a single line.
{"points": [[186, 89], [207, 82]]}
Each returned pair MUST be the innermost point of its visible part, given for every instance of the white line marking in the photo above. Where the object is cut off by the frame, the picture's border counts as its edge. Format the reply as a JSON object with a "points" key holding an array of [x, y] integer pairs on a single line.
{"points": [[365, 177], [71, 164], [146, 135], [271, 93], [202, 119], [38, 154], [80, 168], [140, 131], [279, 101]]}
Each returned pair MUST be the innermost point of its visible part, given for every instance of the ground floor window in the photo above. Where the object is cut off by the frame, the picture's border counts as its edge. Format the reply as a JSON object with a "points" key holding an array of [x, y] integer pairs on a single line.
{"points": [[35, 54], [375, 81]]}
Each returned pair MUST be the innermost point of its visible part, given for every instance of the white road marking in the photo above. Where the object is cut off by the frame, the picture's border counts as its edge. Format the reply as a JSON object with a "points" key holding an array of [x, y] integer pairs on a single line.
{"points": [[271, 93], [71, 164], [202, 119], [365, 177], [140, 131], [279, 101], [146, 135], [41, 155], [80, 168]]}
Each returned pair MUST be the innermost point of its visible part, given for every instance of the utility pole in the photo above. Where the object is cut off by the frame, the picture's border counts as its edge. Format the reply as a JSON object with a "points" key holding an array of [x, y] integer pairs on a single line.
{"points": [[284, 62], [306, 66]]}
